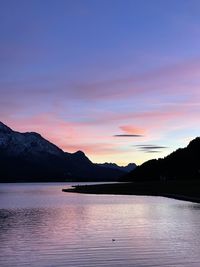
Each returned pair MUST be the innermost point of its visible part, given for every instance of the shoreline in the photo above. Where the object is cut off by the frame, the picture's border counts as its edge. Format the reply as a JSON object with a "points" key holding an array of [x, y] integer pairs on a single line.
{"points": [[180, 190], [183, 198]]}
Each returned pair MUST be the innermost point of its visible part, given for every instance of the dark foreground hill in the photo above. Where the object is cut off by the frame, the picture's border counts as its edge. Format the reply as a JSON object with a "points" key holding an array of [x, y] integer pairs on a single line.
{"points": [[28, 157], [176, 176], [183, 164]]}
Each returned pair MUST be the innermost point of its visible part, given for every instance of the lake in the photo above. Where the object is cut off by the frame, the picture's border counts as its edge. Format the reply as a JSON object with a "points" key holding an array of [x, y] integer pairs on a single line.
{"points": [[42, 226]]}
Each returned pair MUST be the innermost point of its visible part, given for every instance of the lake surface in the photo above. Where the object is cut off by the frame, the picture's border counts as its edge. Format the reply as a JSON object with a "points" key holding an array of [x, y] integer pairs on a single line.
{"points": [[42, 226]]}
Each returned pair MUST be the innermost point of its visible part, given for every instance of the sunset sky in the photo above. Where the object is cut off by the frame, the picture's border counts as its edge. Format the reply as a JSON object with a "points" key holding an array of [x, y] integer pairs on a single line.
{"points": [[117, 79]]}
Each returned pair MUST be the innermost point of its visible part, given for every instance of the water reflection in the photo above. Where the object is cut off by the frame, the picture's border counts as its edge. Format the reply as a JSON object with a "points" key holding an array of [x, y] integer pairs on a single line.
{"points": [[58, 229]]}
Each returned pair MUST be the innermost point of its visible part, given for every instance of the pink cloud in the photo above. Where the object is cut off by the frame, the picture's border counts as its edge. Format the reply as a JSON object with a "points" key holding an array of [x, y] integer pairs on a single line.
{"points": [[165, 80], [141, 117], [129, 129], [168, 79]]}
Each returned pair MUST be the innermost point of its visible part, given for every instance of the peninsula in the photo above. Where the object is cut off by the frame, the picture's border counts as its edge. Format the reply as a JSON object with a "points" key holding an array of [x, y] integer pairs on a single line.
{"points": [[176, 176]]}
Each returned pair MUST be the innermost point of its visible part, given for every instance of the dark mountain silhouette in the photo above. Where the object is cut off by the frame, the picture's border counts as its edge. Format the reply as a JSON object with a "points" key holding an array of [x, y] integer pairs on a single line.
{"points": [[183, 164], [28, 157], [128, 168], [175, 176]]}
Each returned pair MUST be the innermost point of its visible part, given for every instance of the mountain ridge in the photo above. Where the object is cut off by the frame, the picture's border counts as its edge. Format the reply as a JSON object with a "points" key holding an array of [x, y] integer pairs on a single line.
{"points": [[125, 169], [184, 163], [30, 157]]}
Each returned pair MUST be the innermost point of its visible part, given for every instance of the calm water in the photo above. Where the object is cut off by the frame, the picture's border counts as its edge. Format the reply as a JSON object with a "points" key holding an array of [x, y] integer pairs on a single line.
{"points": [[42, 226]]}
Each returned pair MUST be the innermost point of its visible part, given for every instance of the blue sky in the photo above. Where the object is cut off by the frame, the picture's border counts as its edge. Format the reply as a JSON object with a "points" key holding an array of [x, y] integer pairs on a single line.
{"points": [[80, 72]]}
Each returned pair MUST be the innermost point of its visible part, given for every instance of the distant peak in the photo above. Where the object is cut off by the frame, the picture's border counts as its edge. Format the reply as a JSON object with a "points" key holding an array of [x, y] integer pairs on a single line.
{"points": [[4, 128], [130, 164], [80, 155], [79, 152]]}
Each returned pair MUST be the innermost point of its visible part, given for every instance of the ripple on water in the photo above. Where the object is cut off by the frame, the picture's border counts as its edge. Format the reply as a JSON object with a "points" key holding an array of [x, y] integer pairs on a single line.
{"points": [[59, 229]]}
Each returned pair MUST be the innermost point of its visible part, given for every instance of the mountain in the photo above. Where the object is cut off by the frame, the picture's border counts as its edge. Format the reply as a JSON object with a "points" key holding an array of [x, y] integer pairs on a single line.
{"points": [[28, 157], [183, 164], [125, 169]]}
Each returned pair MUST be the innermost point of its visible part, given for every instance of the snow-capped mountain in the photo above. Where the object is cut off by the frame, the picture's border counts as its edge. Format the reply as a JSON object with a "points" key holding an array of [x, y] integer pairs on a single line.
{"points": [[29, 157], [19, 144]]}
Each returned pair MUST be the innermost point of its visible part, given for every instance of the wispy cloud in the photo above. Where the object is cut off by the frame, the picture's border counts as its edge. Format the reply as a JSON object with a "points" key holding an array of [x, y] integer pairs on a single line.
{"points": [[150, 148], [168, 80], [152, 151], [127, 135]]}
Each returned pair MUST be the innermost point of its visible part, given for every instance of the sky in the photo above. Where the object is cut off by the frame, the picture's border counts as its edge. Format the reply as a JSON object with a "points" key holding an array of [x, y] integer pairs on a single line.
{"points": [[117, 79]]}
